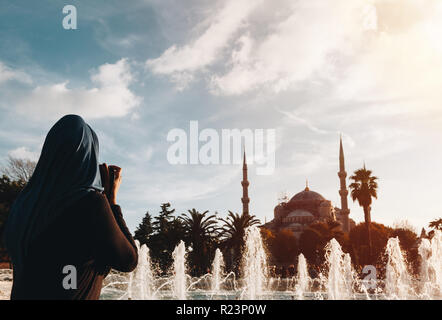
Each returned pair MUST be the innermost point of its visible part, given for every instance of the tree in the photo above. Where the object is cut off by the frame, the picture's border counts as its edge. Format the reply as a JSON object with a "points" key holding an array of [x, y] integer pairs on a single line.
{"points": [[314, 238], [363, 189], [358, 240], [162, 221], [284, 246], [267, 236], [408, 242], [9, 190], [199, 231], [15, 176], [232, 235], [168, 231], [436, 224], [19, 169], [404, 224], [144, 230]]}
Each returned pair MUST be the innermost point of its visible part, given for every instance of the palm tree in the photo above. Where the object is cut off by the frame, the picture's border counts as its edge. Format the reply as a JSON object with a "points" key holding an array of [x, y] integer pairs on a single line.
{"points": [[363, 189], [436, 224], [199, 231], [233, 232]]}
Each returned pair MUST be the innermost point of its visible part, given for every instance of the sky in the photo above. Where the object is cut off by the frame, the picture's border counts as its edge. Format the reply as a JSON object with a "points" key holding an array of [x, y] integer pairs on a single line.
{"points": [[369, 70]]}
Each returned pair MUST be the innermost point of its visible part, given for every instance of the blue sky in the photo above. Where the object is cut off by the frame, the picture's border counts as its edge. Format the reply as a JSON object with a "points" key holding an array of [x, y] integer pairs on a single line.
{"points": [[369, 69]]}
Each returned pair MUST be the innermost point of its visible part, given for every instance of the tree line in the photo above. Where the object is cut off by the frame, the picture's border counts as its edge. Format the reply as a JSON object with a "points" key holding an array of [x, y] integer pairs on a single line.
{"points": [[14, 176], [203, 232]]}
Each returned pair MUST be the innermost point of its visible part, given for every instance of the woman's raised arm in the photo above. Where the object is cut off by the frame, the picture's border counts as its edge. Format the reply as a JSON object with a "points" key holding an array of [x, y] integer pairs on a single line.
{"points": [[114, 245]]}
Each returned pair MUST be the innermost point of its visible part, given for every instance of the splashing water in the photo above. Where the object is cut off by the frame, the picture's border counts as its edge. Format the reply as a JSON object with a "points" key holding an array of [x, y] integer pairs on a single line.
{"points": [[340, 273], [140, 285], [217, 271], [431, 265], [179, 271], [397, 279], [302, 278], [254, 264], [130, 283], [338, 281]]}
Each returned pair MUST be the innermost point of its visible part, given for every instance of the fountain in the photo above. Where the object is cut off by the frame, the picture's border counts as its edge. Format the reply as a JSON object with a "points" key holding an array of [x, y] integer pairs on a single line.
{"points": [[254, 264], [179, 271], [302, 278], [397, 278], [340, 273], [337, 281], [141, 280], [431, 262], [217, 271]]}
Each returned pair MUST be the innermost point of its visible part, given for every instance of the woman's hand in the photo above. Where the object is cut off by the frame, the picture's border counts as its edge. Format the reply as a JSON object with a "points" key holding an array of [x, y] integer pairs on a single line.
{"points": [[115, 186], [110, 187]]}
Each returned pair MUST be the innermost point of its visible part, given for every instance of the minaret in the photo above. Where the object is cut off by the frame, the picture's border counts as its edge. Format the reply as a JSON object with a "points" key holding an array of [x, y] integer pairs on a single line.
{"points": [[245, 184], [343, 191]]}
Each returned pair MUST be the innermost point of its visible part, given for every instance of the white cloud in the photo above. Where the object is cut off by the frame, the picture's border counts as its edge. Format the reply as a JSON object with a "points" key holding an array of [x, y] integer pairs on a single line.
{"points": [[110, 96], [377, 49], [8, 74], [307, 123], [181, 62], [188, 185], [298, 48], [143, 155], [297, 41], [24, 153], [402, 59]]}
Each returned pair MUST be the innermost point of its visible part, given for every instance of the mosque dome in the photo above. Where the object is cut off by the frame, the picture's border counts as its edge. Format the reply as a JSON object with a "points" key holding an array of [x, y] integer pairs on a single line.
{"points": [[308, 207], [307, 194]]}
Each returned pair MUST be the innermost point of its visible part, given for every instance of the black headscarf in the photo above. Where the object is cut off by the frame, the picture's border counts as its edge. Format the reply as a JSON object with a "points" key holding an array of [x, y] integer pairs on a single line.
{"points": [[66, 171]]}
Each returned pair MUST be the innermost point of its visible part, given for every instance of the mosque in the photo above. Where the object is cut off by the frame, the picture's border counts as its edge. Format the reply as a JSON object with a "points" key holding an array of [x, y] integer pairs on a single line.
{"points": [[307, 206]]}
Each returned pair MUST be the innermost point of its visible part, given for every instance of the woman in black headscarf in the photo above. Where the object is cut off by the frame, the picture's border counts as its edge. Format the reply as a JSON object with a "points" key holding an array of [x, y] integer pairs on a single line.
{"points": [[65, 226]]}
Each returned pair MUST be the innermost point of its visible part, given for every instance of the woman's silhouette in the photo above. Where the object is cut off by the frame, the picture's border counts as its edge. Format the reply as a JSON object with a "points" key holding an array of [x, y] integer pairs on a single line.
{"points": [[67, 216]]}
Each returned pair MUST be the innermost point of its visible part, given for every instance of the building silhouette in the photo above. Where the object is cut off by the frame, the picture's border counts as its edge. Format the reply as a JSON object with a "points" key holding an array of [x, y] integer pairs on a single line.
{"points": [[307, 207]]}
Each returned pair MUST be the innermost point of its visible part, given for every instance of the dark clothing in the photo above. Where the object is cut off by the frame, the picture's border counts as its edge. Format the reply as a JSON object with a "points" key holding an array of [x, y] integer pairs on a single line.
{"points": [[66, 172], [90, 235]]}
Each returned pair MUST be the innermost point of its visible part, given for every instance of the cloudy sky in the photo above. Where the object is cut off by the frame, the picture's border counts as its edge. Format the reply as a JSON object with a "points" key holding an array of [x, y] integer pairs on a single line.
{"points": [[310, 69]]}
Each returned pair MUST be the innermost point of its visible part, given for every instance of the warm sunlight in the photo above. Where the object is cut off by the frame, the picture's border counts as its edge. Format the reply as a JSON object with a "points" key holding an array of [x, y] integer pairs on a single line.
{"points": [[221, 150]]}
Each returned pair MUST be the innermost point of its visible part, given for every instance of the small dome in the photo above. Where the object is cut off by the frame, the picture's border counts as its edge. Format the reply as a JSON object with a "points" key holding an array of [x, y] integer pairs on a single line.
{"points": [[307, 195], [294, 224], [299, 213]]}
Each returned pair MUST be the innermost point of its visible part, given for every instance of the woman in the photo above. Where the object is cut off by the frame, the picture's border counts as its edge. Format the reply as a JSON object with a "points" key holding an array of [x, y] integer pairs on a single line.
{"points": [[65, 230]]}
